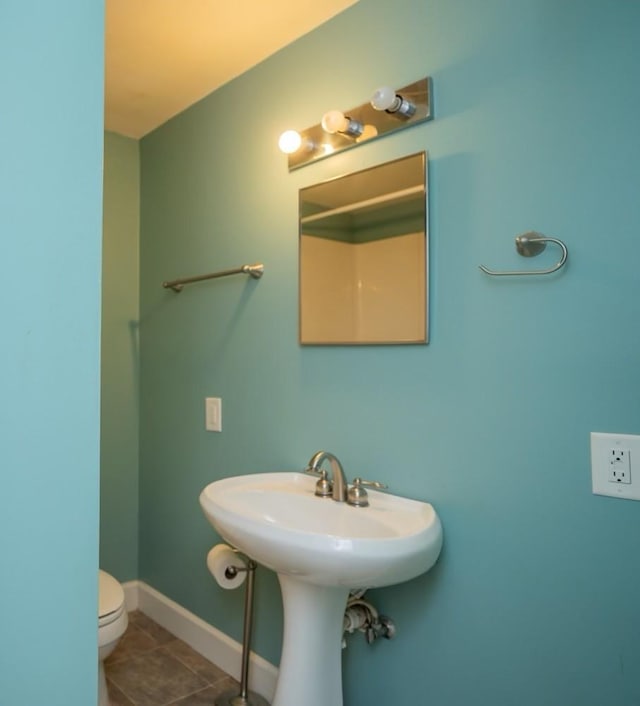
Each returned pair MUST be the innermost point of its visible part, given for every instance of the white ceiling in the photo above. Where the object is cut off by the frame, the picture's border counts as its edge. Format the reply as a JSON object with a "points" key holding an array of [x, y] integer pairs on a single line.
{"points": [[164, 55]]}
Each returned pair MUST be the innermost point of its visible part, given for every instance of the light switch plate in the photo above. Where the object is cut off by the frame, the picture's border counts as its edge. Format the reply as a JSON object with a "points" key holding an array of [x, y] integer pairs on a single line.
{"points": [[213, 414], [615, 465]]}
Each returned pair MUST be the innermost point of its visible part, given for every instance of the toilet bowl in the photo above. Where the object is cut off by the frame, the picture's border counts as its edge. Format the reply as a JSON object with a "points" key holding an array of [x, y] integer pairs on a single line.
{"points": [[112, 622]]}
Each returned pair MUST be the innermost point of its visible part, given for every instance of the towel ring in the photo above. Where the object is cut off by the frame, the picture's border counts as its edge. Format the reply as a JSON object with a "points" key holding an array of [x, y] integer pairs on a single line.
{"points": [[531, 244]]}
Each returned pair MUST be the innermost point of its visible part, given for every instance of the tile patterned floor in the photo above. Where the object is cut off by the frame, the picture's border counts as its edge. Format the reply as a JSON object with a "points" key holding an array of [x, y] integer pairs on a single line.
{"points": [[152, 667]]}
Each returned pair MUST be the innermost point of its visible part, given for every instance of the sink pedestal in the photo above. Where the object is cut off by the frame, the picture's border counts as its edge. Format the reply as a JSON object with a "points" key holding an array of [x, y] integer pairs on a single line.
{"points": [[311, 662]]}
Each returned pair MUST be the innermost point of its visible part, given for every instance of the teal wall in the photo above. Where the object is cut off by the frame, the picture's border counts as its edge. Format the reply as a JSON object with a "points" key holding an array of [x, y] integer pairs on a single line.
{"points": [[533, 600], [51, 68], [119, 398]]}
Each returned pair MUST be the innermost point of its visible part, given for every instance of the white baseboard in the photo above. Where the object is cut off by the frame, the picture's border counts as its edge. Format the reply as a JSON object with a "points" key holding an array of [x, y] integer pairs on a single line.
{"points": [[131, 589], [210, 642]]}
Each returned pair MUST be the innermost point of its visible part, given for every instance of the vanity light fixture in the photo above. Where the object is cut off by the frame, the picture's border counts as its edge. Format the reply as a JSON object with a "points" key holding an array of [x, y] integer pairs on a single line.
{"points": [[388, 111], [368, 132]]}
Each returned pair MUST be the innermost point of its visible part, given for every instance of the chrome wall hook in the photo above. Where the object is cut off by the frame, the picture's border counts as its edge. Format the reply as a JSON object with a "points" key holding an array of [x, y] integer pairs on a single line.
{"points": [[531, 244]]}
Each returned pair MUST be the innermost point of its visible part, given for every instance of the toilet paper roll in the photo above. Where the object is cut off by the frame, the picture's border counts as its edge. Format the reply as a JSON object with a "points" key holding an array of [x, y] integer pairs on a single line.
{"points": [[219, 559]]}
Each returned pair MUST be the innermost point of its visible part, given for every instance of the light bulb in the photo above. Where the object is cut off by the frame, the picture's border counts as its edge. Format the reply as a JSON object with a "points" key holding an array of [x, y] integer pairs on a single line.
{"points": [[289, 141], [335, 121], [383, 98]]}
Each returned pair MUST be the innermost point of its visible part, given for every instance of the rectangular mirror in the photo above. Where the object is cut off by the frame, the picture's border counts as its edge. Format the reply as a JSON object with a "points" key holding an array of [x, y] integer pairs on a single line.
{"points": [[364, 256]]}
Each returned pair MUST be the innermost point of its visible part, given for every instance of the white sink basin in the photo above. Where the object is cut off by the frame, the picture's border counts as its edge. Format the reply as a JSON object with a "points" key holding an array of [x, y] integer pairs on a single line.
{"points": [[276, 519], [320, 549]]}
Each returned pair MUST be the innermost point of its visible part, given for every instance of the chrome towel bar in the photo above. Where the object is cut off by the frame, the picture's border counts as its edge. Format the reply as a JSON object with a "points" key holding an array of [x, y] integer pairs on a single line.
{"points": [[256, 271], [528, 245]]}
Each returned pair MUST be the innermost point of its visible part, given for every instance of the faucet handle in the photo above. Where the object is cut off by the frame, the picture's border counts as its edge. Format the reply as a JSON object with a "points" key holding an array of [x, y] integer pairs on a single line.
{"points": [[324, 487], [358, 496]]}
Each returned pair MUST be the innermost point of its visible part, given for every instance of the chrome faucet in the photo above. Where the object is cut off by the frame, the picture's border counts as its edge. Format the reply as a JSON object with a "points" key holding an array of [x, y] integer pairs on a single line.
{"points": [[338, 480]]}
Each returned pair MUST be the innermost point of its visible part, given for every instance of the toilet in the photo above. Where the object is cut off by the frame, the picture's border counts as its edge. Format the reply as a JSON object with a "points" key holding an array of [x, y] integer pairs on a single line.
{"points": [[112, 622]]}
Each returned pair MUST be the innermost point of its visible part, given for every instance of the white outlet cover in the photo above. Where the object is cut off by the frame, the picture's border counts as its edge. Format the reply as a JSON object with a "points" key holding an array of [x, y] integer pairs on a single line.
{"points": [[602, 445]]}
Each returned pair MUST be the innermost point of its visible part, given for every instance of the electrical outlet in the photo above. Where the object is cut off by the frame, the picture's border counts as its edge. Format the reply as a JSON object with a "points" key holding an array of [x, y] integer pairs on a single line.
{"points": [[612, 465], [619, 465]]}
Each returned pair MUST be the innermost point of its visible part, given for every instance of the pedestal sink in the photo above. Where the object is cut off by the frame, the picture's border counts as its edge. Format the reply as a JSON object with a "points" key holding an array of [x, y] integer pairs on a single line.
{"points": [[320, 549]]}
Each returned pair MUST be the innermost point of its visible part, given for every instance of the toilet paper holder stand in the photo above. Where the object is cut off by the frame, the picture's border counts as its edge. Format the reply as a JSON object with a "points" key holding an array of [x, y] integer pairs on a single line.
{"points": [[245, 697]]}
